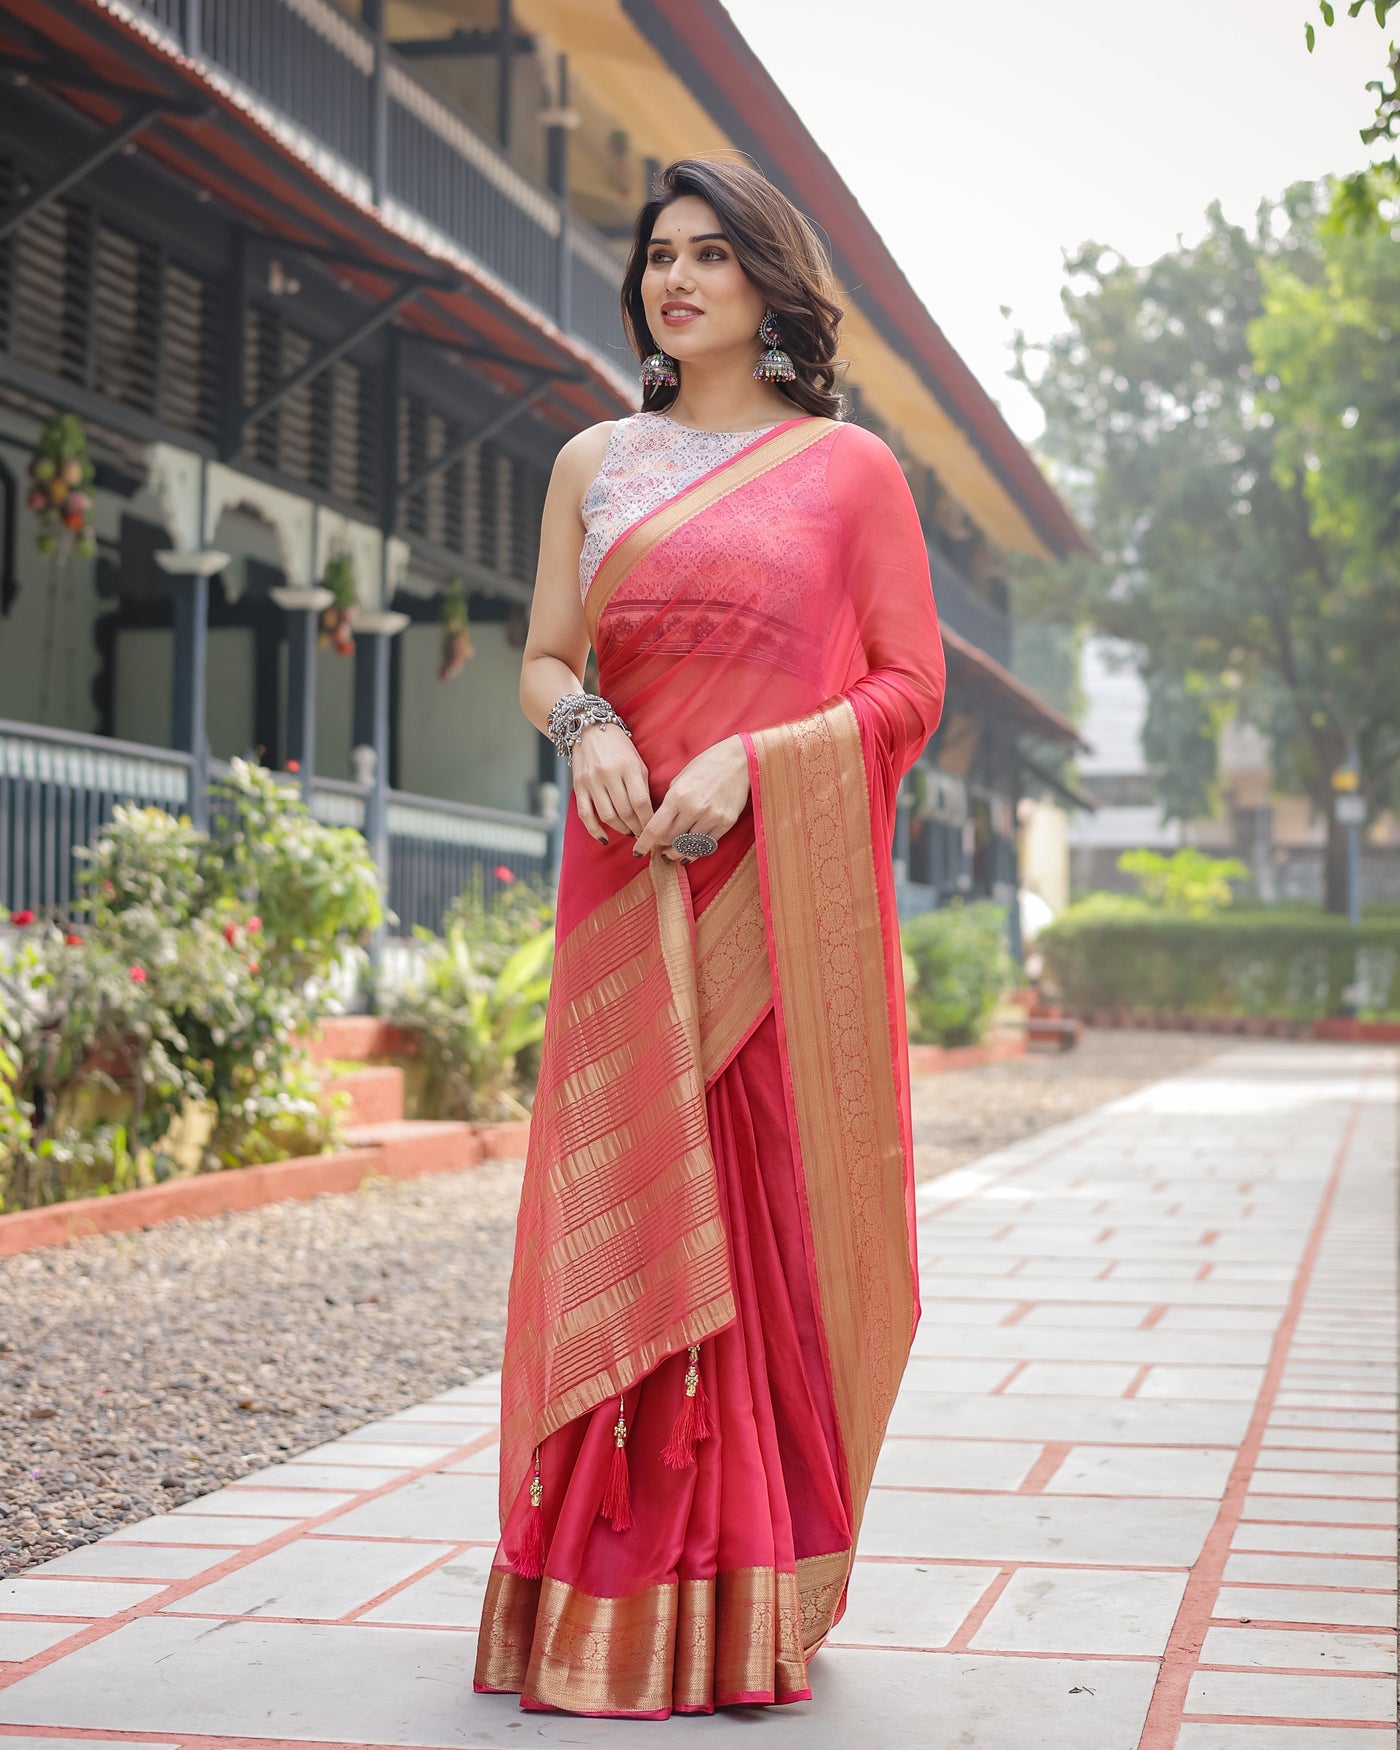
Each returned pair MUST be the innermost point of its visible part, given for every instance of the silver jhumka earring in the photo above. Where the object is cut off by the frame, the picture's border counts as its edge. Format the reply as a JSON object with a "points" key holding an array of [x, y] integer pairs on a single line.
{"points": [[774, 365], [659, 371]]}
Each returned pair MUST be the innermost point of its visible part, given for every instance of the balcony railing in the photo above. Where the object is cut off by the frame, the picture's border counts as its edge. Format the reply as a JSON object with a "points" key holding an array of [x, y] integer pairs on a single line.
{"points": [[966, 612], [58, 789], [313, 70]]}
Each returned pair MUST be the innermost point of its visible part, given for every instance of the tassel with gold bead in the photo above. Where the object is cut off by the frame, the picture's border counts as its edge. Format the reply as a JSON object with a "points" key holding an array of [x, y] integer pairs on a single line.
{"points": [[617, 1496], [692, 1422], [529, 1564]]}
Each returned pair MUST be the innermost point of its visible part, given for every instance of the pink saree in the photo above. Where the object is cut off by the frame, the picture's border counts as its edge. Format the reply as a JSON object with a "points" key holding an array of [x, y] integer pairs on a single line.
{"points": [[714, 1288]]}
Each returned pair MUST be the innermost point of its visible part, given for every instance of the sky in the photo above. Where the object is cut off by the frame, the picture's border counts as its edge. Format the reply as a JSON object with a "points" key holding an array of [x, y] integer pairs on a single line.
{"points": [[986, 137]]}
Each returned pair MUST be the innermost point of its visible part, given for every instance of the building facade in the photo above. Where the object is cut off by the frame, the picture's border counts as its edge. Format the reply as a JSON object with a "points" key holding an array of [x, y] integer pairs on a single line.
{"points": [[328, 286]]}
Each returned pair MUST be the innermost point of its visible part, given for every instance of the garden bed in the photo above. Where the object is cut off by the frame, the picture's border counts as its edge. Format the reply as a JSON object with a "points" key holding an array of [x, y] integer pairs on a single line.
{"points": [[405, 1151]]}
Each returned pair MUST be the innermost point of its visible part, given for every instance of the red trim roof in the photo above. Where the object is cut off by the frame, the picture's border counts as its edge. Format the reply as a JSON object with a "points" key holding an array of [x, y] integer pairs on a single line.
{"points": [[709, 36], [981, 673], [257, 176]]}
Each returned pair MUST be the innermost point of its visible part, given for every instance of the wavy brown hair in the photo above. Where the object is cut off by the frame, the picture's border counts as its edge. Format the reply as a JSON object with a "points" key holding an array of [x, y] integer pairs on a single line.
{"points": [[780, 252]]}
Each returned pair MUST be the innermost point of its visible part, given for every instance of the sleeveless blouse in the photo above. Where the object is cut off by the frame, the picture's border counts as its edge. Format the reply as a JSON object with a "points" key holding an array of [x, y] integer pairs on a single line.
{"points": [[649, 459]]}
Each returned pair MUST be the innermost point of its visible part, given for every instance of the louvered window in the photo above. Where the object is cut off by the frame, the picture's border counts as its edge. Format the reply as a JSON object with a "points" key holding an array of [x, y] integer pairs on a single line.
{"points": [[488, 506], [189, 335], [126, 311], [526, 508], [353, 451], [49, 291]]}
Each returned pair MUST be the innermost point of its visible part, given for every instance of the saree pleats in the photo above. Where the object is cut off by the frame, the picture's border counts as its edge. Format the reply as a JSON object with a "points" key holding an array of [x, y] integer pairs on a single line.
{"points": [[742, 1565]]}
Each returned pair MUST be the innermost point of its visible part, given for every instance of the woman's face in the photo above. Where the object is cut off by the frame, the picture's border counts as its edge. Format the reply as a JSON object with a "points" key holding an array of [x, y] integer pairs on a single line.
{"points": [[699, 302]]}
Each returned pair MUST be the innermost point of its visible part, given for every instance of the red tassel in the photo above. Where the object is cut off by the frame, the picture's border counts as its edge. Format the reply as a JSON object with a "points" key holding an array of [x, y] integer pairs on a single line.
{"points": [[693, 1421], [529, 1564], [617, 1496]]}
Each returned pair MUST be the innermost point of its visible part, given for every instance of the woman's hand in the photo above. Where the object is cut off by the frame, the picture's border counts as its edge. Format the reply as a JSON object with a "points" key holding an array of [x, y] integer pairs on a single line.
{"points": [[609, 781], [707, 795]]}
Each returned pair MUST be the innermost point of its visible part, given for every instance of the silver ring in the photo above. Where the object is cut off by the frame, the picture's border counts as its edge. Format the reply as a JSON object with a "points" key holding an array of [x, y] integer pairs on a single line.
{"points": [[695, 844]]}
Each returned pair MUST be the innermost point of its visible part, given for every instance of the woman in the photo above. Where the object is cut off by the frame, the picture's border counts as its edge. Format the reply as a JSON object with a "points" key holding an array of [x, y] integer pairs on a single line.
{"points": [[714, 1289]]}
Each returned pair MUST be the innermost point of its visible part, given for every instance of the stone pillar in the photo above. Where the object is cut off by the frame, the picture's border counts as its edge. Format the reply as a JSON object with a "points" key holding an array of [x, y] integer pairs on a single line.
{"points": [[371, 727], [189, 573], [303, 610]]}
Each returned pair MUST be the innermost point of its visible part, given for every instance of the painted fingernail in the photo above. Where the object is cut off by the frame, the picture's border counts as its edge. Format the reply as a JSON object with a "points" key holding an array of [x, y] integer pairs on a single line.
{"points": [[601, 839]]}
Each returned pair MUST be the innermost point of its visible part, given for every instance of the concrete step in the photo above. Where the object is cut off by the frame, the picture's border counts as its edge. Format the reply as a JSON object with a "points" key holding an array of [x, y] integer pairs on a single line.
{"points": [[376, 1093], [357, 1038]]}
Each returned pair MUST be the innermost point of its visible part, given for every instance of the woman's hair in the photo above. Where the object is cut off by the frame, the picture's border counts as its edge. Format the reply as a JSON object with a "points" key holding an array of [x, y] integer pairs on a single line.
{"points": [[780, 252]]}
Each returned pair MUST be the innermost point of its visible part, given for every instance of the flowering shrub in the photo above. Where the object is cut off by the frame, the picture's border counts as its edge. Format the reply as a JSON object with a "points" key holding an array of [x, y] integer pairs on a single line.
{"points": [[478, 1003], [182, 1008]]}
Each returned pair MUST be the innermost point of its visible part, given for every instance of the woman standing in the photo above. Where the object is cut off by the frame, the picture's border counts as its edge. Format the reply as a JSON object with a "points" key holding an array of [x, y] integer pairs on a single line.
{"points": [[714, 1288]]}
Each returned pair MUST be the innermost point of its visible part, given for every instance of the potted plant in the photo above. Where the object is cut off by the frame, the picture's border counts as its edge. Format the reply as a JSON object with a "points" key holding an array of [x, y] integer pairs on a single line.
{"points": [[338, 620], [60, 494], [457, 646]]}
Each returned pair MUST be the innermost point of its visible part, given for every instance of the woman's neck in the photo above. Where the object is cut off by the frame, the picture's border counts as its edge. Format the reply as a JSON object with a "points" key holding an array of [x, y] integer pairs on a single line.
{"points": [[728, 401]]}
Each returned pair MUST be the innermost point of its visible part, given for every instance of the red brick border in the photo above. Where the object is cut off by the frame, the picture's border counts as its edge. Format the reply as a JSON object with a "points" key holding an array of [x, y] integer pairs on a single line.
{"points": [[420, 1149]]}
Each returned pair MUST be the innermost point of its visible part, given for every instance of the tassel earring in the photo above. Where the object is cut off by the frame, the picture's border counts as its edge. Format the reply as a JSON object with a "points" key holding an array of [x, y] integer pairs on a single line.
{"points": [[617, 1497], [693, 1420], [529, 1564], [659, 371], [774, 365]]}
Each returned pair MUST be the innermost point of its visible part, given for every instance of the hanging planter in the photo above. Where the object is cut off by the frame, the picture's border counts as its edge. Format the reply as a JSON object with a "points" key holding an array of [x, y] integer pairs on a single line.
{"points": [[457, 647], [338, 620], [60, 495]]}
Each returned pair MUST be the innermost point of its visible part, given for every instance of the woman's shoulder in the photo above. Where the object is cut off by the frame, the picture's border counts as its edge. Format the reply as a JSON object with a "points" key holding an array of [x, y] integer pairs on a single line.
{"points": [[859, 459], [583, 453]]}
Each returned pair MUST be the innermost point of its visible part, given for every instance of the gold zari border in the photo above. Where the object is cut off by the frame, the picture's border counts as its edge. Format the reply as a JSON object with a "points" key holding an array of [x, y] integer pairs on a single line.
{"points": [[823, 910], [733, 977], [680, 1646]]}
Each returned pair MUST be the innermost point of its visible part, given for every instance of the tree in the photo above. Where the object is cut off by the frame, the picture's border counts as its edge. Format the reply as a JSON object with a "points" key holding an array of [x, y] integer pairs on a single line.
{"points": [[1230, 560], [1357, 195]]}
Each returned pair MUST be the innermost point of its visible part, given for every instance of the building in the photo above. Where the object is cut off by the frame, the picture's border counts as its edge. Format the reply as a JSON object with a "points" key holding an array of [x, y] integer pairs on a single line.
{"points": [[1279, 836], [328, 286]]}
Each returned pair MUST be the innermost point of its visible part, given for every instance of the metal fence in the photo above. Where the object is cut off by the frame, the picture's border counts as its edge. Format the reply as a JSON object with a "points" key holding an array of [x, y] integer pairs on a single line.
{"points": [[58, 789]]}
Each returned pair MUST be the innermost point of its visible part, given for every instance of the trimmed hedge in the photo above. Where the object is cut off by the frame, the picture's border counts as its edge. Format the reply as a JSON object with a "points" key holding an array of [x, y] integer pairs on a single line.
{"points": [[1108, 952], [956, 968]]}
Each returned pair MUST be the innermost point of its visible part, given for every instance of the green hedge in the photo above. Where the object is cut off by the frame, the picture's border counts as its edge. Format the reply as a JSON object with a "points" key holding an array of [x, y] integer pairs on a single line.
{"points": [[1109, 952], [956, 966]]}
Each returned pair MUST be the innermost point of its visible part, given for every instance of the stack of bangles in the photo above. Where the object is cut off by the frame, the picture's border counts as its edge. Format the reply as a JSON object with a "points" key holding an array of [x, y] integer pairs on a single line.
{"points": [[570, 715]]}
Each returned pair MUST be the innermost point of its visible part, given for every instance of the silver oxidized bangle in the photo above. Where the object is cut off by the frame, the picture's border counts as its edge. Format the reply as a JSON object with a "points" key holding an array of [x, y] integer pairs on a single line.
{"points": [[571, 715]]}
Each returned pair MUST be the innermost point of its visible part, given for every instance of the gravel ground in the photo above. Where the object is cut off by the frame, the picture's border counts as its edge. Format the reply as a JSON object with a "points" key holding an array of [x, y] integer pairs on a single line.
{"points": [[139, 1371]]}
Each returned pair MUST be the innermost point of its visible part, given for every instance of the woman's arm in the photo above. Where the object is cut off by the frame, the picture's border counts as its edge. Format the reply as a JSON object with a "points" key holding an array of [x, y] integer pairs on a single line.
{"points": [[609, 777]]}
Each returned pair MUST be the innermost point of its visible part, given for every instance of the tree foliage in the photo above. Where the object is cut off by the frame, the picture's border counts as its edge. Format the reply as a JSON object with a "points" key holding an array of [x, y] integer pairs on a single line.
{"points": [[1228, 429], [1358, 196]]}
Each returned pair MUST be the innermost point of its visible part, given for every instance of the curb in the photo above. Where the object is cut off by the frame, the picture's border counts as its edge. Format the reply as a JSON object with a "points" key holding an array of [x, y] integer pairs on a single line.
{"points": [[428, 1148], [933, 1060]]}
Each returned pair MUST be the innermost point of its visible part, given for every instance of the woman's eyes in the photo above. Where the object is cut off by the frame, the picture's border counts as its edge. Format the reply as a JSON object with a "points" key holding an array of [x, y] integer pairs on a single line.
{"points": [[660, 256]]}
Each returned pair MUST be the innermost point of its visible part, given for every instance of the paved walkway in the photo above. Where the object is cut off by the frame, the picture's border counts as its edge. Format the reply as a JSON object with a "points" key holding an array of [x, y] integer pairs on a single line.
{"points": [[1138, 1492]]}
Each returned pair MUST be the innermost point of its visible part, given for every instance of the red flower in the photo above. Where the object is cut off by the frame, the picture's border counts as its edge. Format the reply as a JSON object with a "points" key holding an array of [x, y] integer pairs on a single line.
{"points": [[138, 974], [230, 932], [253, 925], [293, 765], [20, 918], [73, 941], [504, 874], [254, 968]]}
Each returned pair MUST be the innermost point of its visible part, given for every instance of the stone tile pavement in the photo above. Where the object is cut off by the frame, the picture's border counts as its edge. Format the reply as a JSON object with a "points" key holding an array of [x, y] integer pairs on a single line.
{"points": [[1138, 1491]]}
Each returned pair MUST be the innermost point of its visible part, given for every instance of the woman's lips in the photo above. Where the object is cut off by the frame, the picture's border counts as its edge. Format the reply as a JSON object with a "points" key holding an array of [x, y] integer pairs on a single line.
{"points": [[678, 317]]}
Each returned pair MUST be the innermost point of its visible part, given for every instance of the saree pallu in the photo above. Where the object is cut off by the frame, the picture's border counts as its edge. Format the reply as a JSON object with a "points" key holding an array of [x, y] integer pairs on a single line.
{"points": [[720, 1148]]}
